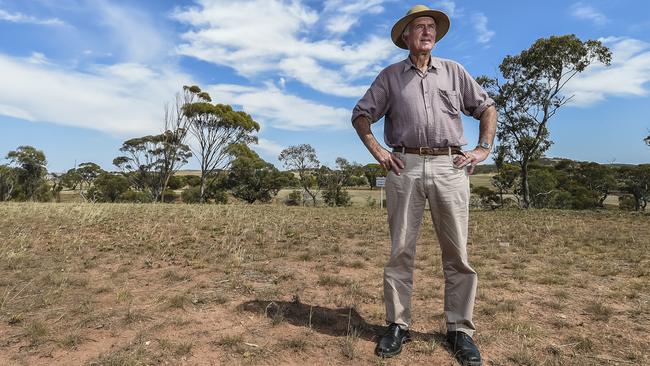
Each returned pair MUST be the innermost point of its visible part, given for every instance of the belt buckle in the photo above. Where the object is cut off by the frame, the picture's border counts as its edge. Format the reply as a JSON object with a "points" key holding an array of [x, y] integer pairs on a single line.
{"points": [[423, 148]]}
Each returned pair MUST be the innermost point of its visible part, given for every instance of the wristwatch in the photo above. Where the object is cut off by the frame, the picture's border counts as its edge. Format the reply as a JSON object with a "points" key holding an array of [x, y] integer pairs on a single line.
{"points": [[485, 145]]}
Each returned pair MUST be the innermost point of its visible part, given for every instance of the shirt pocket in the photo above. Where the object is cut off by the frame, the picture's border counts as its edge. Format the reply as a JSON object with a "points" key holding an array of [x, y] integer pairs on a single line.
{"points": [[449, 102]]}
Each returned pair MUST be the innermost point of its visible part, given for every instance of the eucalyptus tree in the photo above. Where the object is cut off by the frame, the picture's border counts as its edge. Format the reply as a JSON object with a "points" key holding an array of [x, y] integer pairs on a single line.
{"points": [[30, 169], [302, 160], [530, 92], [215, 127]]}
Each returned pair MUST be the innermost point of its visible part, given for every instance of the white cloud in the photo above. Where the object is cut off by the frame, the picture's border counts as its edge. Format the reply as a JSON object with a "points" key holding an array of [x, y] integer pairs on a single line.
{"points": [[133, 32], [256, 36], [268, 147], [346, 13], [447, 6], [273, 108], [38, 59], [586, 12], [28, 19], [484, 35], [628, 74], [121, 99]]}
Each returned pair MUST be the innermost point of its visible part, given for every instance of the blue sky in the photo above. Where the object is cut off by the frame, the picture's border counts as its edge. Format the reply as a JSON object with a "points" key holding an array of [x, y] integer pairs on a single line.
{"points": [[78, 77]]}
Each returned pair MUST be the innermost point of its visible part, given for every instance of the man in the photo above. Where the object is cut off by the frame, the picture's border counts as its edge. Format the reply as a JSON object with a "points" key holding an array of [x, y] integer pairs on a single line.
{"points": [[421, 99]]}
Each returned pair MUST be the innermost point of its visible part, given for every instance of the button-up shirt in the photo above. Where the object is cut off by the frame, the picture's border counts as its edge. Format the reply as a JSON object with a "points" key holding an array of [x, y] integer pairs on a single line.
{"points": [[423, 108]]}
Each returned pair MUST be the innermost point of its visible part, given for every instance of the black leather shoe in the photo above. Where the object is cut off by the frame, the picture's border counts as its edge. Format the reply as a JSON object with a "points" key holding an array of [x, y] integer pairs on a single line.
{"points": [[391, 343], [464, 349]]}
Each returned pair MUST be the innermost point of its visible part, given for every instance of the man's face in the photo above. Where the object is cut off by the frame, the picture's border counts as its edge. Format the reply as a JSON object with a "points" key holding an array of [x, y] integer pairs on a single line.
{"points": [[421, 35]]}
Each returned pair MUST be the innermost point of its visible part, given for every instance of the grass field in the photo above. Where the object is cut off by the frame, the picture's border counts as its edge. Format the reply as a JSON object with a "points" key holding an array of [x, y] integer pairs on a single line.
{"points": [[122, 284]]}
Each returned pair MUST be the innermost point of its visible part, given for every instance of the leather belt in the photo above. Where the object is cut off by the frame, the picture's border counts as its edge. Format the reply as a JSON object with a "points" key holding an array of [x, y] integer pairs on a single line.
{"points": [[424, 150]]}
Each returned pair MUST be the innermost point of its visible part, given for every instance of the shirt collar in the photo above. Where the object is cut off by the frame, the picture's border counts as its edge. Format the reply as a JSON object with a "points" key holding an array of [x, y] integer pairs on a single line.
{"points": [[433, 63]]}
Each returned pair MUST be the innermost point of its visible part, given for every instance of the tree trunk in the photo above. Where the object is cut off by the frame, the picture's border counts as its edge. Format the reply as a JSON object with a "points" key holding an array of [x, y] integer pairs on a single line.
{"points": [[202, 189], [525, 190]]}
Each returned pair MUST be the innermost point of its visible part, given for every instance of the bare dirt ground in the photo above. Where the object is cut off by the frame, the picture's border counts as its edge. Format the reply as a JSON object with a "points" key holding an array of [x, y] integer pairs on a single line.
{"points": [[122, 284]]}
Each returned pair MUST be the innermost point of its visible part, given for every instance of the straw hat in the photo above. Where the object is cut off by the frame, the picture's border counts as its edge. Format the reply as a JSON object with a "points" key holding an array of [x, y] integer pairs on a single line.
{"points": [[441, 19]]}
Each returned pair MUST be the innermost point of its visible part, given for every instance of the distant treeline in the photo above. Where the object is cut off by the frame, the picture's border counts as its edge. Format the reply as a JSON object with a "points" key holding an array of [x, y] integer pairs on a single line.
{"points": [[554, 183]]}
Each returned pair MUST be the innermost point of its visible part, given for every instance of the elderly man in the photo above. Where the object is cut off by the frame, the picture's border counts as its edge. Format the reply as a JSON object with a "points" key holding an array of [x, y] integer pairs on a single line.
{"points": [[421, 99]]}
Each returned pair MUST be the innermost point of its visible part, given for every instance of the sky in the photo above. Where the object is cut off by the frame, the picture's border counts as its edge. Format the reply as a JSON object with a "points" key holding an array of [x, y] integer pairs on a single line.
{"points": [[79, 77]]}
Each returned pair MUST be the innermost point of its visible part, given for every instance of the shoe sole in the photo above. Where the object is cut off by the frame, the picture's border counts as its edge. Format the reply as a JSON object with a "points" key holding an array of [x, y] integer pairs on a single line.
{"points": [[392, 354], [471, 363]]}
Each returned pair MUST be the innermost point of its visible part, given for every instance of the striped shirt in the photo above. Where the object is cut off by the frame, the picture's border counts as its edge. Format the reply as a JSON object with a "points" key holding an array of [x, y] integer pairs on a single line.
{"points": [[423, 109]]}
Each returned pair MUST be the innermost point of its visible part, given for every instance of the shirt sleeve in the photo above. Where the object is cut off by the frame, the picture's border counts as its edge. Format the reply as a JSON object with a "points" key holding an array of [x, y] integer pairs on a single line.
{"points": [[474, 99], [374, 104]]}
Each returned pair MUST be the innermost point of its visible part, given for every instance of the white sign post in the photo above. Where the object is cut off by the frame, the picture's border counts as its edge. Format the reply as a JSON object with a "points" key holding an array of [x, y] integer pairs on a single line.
{"points": [[381, 183]]}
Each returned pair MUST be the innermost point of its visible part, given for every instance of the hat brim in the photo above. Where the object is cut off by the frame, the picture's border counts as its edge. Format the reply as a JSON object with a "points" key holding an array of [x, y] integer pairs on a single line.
{"points": [[441, 19]]}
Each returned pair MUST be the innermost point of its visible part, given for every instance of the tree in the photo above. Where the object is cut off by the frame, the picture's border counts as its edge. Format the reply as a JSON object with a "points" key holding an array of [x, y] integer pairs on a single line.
{"points": [[215, 128], [635, 180], [175, 152], [597, 178], [71, 179], [148, 161], [531, 92], [505, 180], [372, 171], [302, 160], [30, 169], [7, 182], [87, 173], [334, 194], [253, 179], [108, 187]]}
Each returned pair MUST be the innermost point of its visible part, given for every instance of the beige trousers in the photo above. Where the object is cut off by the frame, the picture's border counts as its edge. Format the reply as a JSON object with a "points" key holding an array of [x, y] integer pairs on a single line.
{"points": [[435, 179]]}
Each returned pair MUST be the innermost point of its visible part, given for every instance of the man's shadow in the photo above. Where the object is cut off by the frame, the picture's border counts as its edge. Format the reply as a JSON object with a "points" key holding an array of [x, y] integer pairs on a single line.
{"points": [[340, 322]]}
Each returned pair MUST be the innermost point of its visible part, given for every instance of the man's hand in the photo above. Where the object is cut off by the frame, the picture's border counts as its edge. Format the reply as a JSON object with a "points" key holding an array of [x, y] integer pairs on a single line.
{"points": [[389, 161], [471, 158]]}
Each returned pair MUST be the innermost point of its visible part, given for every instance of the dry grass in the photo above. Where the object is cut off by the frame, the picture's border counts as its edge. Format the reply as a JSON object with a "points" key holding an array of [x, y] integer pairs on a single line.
{"points": [[115, 284]]}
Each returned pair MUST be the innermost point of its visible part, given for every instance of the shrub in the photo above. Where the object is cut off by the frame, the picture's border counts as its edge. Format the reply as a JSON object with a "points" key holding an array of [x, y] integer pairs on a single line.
{"points": [[108, 188], [192, 180], [626, 203], [170, 196], [176, 182], [191, 195], [136, 196], [294, 198]]}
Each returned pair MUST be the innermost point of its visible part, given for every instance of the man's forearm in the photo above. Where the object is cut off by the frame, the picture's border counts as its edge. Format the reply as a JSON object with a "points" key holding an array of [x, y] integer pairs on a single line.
{"points": [[362, 126], [488, 125]]}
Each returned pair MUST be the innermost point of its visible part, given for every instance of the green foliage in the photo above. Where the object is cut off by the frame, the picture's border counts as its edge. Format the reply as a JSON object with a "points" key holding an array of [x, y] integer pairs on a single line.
{"points": [[71, 179], [191, 194], [302, 159], [334, 181], [371, 172], [149, 161], [253, 179], [8, 181], [487, 197], [30, 170], [216, 127], [192, 180], [626, 203], [43, 193], [635, 180], [170, 196], [131, 195], [176, 182], [111, 188], [530, 94], [294, 198]]}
